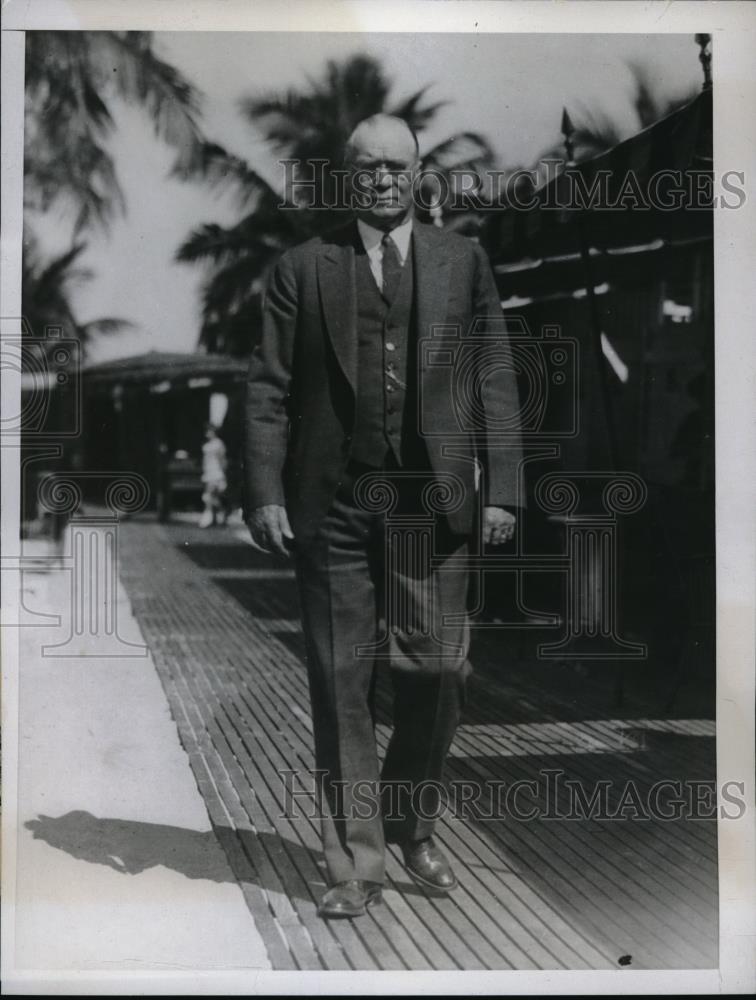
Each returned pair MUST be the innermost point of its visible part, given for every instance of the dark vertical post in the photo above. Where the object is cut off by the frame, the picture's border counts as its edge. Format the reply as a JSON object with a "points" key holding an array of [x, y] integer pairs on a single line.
{"points": [[568, 130], [704, 56]]}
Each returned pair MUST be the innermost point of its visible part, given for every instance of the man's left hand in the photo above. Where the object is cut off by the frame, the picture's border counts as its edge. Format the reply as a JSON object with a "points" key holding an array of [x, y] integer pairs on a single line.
{"points": [[498, 525]]}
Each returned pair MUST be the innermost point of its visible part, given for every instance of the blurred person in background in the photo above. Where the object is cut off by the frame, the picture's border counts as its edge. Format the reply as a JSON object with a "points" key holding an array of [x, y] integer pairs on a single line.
{"points": [[213, 479]]}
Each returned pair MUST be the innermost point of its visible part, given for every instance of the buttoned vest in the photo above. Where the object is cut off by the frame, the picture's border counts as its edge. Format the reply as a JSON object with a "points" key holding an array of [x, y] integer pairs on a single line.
{"points": [[384, 341]]}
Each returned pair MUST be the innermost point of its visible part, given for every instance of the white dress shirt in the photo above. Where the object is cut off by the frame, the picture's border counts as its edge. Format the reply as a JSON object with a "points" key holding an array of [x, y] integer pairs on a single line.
{"points": [[371, 240]]}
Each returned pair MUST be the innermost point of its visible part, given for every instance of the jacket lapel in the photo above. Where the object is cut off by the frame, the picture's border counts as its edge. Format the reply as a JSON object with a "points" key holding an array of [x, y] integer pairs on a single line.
{"points": [[338, 295], [336, 281]]}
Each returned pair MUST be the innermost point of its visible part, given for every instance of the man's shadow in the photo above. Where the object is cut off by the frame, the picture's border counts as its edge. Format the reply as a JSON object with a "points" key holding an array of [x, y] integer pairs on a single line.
{"points": [[131, 847]]}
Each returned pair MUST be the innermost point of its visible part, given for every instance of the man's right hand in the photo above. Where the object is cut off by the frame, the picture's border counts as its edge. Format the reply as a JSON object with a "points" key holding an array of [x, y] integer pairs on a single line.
{"points": [[269, 526]]}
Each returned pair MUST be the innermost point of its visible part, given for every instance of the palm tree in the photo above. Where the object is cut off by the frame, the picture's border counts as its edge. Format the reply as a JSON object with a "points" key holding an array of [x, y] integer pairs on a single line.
{"points": [[300, 125], [71, 80], [596, 131], [46, 287]]}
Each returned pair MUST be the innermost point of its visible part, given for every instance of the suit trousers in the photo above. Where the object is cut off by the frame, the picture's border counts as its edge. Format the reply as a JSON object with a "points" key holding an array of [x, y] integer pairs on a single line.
{"points": [[370, 597]]}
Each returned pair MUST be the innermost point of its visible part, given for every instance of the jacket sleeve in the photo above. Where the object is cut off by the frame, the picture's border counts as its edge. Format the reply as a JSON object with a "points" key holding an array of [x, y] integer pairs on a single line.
{"points": [[500, 450], [266, 415]]}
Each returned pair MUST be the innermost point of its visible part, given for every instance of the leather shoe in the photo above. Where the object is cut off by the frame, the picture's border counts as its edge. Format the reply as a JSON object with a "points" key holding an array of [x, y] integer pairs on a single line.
{"points": [[428, 866], [349, 899]]}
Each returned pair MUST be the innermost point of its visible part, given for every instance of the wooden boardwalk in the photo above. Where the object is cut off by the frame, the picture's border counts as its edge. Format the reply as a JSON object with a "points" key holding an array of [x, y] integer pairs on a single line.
{"points": [[550, 892]]}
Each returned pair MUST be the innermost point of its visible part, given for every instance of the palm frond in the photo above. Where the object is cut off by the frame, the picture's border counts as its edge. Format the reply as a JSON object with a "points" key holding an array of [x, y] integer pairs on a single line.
{"points": [[170, 100], [317, 122], [59, 271], [219, 244], [648, 104], [417, 117], [106, 325], [224, 171], [46, 286], [71, 78], [458, 150], [596, 131], [229, 288]]}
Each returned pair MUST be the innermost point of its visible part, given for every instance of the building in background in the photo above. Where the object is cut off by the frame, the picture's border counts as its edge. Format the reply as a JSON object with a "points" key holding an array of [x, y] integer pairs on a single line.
{"points": [[634, 289]]}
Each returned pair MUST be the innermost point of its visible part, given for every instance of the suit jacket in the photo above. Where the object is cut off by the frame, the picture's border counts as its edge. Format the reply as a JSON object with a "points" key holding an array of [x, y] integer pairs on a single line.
{"points": [[301, 387]]}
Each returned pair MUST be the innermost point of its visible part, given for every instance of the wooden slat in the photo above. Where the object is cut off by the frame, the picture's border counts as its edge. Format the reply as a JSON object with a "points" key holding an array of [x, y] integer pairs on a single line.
{"points": [[532, 895], [570, 847]]}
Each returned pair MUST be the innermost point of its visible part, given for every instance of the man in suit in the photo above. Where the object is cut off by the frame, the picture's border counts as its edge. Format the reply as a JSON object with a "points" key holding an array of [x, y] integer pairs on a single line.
{"points": [[338, 399]]}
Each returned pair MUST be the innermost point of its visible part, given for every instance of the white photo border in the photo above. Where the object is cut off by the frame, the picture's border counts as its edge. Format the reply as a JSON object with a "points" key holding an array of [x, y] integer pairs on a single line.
{"points": [[733, 28]]}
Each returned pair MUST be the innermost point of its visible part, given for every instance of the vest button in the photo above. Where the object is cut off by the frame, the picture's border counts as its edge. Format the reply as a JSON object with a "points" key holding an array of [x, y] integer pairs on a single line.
{"points": [[390, 346]]}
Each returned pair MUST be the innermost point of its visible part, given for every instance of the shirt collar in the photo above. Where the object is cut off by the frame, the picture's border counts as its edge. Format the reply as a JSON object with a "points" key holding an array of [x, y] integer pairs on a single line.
{"points": [[371, 237]]}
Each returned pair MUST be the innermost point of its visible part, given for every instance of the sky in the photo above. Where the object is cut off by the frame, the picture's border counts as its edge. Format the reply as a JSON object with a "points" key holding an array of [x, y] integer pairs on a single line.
{"points": [[511, 88]]}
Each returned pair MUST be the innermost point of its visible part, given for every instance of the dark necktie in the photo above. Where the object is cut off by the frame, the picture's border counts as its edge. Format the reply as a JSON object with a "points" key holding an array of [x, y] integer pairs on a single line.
{"points": [[391, 268]]}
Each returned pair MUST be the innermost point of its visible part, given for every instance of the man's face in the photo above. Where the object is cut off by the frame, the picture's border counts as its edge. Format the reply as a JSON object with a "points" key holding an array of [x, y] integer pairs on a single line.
{"points": [[383, 162]]}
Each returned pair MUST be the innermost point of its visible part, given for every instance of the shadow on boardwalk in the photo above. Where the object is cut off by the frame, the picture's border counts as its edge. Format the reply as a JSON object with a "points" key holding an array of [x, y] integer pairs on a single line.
{"points": [[543, 891]]}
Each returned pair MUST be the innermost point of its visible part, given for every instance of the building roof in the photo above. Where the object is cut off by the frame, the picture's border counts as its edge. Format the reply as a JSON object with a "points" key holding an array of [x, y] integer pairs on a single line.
{"points": [[679, 144], [156, 367]]}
